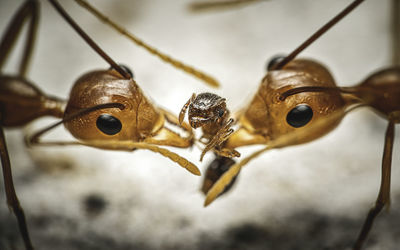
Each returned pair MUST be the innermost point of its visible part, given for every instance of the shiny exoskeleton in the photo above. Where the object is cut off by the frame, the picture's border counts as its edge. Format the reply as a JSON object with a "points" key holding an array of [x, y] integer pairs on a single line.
{"points": [[214, 171], [209, 112]]}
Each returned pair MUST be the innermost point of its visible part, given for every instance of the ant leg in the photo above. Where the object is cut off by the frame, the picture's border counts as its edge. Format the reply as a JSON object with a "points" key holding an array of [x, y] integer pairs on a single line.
{"points": [[227, 152], [30, 9], [12, 199], [221, 136], [184, 108], [384, 191]]}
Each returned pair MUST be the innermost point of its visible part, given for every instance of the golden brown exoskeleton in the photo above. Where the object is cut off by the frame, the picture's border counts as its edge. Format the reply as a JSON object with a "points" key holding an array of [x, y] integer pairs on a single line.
{"points": [[208, 111], [298, 101], [106, 108]]}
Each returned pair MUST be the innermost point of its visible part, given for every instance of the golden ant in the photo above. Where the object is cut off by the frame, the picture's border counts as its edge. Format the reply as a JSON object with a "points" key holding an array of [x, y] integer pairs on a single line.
{"points": [[298, 102], [106, 108]]}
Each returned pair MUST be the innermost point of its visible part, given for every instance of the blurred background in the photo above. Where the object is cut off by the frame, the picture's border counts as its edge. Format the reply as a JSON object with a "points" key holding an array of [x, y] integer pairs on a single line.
{"points": [[312, 196]]}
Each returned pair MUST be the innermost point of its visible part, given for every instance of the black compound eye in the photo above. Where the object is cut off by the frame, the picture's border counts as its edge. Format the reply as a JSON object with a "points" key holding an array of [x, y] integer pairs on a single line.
{"points": [[299, 116], [108, 124], [274, 61], [126, 69]]}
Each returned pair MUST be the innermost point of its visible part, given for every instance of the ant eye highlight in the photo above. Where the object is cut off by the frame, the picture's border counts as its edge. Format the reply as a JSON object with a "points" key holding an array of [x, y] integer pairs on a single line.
{"points": [[274, 61], [299, 116], [108, 124]]}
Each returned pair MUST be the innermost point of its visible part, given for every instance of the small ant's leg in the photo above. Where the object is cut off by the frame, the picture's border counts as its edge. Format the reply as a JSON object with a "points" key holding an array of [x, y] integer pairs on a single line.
{"points": [[184, 108], [30, 9], [384, 191], [228, 177], [227, 152], [12, 199], [221, 136]]}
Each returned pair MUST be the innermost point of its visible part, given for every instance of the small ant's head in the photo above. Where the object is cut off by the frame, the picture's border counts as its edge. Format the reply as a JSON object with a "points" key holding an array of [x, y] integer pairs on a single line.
{"points": [[206, 108]]}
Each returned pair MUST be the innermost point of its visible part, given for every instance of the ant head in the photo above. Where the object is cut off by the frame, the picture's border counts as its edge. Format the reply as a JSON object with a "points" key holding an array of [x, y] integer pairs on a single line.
{"points": [[107, 86], [206, 108], [275, 116]]}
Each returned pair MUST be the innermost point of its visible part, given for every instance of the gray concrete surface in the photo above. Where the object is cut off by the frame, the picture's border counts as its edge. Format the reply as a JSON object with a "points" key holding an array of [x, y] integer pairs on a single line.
{"points": [[313, 196]]}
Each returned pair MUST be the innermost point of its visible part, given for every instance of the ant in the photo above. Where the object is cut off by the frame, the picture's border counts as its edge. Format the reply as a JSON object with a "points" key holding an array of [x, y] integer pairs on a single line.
{"points": [[208, 110], [298, 102], [106, 109]]}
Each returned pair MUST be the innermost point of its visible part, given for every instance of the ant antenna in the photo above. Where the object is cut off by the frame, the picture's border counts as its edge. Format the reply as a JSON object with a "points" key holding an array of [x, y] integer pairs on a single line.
{"points": [[89, 40], [317, 34], [177, 64]]}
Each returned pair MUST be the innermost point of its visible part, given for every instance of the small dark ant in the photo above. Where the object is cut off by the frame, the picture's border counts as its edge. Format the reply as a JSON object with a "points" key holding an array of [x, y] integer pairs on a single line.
{"points": [[209, 112]]}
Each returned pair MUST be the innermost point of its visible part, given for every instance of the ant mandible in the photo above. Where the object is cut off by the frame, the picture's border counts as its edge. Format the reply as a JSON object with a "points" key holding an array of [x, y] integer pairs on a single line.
{"points": [[106, 108], [298, 102]]}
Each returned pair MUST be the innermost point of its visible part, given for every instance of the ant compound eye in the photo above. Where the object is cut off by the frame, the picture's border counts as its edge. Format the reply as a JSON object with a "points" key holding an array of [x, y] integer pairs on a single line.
{"points": [[221, 112], [274, 61], [126, 69], [299, 116], [108, 124]]}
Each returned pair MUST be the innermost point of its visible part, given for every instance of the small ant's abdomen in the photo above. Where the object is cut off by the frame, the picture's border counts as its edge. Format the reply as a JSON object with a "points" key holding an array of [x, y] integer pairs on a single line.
{"points": [[22, 102], [381, 90], [107, 86], [214, 172]]}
